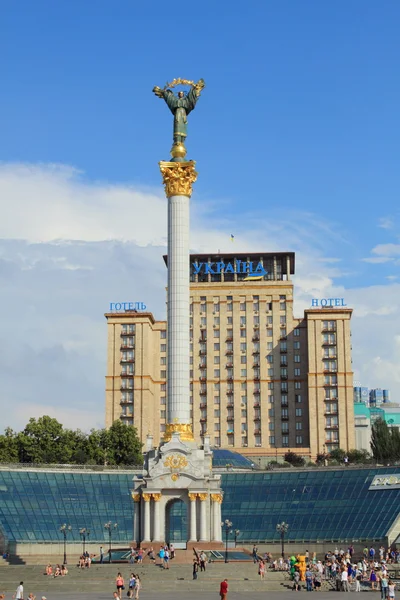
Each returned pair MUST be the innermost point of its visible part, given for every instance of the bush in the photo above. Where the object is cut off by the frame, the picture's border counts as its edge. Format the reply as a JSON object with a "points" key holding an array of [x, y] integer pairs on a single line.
{"points": [[294, 459]]}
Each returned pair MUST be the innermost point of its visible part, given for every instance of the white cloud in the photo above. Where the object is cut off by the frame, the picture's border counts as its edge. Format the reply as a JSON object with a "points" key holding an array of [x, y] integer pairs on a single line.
{"points": [[390, 250], [377, 260], [386, 223], [70, 247]]}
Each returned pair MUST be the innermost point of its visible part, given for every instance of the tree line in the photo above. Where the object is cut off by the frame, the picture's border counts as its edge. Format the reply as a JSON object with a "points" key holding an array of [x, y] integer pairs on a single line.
{"points": [[45, 440]]}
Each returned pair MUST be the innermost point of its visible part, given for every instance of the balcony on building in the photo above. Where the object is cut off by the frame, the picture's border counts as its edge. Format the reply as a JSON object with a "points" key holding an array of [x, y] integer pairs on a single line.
{"points": [[128, 374], [256, 378], [326, 343], [330, 357], [256, 365], [203, 419], [329, 329], [203, 404], [203, 392], [229, 365], [283, 337], [126, 401], [229, 377], [130, 346], [229, 352], [126, 387], [127, 333], [203, 338], [256, 392], [230, 404], [331, 413], [257, 418], [203, 352], [329, 427], [334, 370], [126, 416], [283, 350], [229, 338], [130, 359], [256, 405], [229, 392], [284, 418], [284, 377], [257, 432], [202, 378], [256, 338]]}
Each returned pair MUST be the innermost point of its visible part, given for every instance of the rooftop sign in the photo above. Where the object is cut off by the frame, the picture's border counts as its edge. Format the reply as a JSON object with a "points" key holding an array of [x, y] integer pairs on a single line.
{"points": [[325, 302], [385, 482], [124, 306], [250, 269]]}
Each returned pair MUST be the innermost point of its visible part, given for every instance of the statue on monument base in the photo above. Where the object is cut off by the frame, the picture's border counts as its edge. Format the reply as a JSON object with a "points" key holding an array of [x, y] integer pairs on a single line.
{"points": [[180, 106]]}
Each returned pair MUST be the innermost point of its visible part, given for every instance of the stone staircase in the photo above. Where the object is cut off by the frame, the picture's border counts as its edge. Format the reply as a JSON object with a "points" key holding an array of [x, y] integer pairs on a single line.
{"points": [[101, 578]]}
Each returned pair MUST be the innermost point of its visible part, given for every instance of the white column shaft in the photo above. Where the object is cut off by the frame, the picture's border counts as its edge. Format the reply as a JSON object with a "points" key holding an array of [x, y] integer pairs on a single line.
{"points": [[219, 521], [156, 527], [136, 522], [193, 521], [216, 522], [146, 533], [178, 310], [203, 521]]}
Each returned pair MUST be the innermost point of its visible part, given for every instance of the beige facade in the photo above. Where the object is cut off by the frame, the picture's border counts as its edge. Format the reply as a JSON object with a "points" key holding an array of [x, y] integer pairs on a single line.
{"points": [[262, 381]]}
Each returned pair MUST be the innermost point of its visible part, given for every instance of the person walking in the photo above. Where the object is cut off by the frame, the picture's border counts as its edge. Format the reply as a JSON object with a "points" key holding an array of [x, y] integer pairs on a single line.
{"points": [[101, 555], [309, 578], [344, 578], [172, 551], [373, 579], [137, 588], [255, 554], [223, 589], [391, 588], [261, 569], [19, 594], [195, 568], [296, 581], [203, 561], [384, 586], [119, 582]]}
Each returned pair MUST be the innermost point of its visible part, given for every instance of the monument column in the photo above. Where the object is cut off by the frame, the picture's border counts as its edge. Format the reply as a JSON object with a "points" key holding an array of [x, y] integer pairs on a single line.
{"points": [[178, 178], [136, 517], [217, 500], [146, 532], [193, 518], [203, 517], [156, 518]]}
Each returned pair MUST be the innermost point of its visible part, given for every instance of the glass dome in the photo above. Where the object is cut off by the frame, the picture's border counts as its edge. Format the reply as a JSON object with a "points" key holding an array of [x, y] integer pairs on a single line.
{"points": [[224, 458]]}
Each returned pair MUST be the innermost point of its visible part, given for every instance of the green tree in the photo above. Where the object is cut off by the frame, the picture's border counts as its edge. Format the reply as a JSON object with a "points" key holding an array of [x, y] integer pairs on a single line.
{"points": [[42, 441], [385, 441], [381, 441], [361, 457], [9, 446], [337, 455], [123, 445], [294, 459]]}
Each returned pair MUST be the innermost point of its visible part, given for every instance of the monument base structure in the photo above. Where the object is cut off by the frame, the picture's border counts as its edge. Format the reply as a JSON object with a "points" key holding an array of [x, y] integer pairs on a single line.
{"points": [[179, 498]]}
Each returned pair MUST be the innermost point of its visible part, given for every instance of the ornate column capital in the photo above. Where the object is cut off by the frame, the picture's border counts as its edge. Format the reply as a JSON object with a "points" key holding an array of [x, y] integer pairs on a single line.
{"points": [[146, 497], [216, 498], [192, 497], [178, 177], [135, 496], [203, 497], [156, 497]]}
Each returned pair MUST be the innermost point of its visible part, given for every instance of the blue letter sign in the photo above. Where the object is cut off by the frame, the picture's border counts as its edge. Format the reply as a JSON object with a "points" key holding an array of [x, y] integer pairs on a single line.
{"points": [[325, 302], [123, 306]]}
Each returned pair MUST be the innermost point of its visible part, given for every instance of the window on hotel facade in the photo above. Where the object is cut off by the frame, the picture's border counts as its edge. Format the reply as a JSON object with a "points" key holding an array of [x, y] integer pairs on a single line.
{"points": [[243, 372], [229, 298], [163, 387], [269, 306], [242, 320], [243, 385], [269, 320], [299, 439], [216, 373], [296, 332], [191, 374], [243, 346], [285, 441], [163, 347], [191, 347], [216, 307], [296, 345], [271, 426], [297, 398], [162, 427], [243, 399], [256, 306], [331, 393], [217, 427], [284, 386], [285, 427], [216, 320], [242, 333], [297, 385], [217, 441], [270, 372], [256, 320], [330, 379], [162, 414], [271, 412], [284, 400], [229, 306], [270, 346], [297, 372], [330, 365], [270, 385], [282, 305], [203, 320], [163, 400], [329, 338], [217, 400], [331, 408], [243, 359], [284, 413], [297, 358], [272, 440], [216, 360], [269, 332], [216, 347], [299, 426], [329, 325], [270, 359], [244, 413], [282, 320], [216, 333], [284, 373], [299, 412], [229, 320], [283, 346], [331, 422], [163, 374], [242, 305], [217, 413], [330, 352]]}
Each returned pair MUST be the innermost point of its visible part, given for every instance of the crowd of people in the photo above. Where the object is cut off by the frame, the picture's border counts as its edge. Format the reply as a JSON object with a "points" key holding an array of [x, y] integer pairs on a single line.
{"points": [[135, 586], [339, 567], [57, 571]]}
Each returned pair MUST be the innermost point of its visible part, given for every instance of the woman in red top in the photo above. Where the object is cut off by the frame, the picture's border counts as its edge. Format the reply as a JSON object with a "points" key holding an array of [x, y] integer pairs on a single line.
{"points": [[223, 589], [119, 581]]}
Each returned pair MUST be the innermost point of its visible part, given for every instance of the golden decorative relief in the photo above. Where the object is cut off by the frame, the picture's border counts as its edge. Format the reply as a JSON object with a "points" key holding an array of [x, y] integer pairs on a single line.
{"points": [[135, 496], [178, 177], [192, 497], [216, 498], [175, 461], [147, 497], [156, 497], [175, 476], [203, 497], [184, 430]]}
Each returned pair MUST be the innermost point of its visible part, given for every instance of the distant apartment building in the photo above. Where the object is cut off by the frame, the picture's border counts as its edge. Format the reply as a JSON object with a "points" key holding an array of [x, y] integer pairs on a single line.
{"points": [[262, 381]]}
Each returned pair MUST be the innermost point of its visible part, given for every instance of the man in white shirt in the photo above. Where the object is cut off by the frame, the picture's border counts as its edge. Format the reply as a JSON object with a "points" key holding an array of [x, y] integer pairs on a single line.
{"points": [[344, 579], [19, 594]]}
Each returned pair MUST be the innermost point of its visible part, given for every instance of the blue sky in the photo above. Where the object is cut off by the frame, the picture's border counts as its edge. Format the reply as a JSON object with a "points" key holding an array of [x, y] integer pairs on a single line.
{"points": [[295, 137]]}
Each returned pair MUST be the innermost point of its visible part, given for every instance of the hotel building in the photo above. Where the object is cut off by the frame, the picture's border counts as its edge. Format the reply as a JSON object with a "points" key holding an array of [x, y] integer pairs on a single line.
{"points": [[262, 381]]}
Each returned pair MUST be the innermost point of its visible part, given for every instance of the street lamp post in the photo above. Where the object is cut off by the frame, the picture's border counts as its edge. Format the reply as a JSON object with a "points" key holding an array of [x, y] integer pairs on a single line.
{"points": [[84, 533], [282, 529], [236, 532], [65, 529], [227, 525], [110, 526]]}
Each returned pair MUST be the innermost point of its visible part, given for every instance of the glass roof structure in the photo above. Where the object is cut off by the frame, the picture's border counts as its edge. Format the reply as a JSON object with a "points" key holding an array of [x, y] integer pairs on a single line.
{"points": [[223, 458], [318, 504]]}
